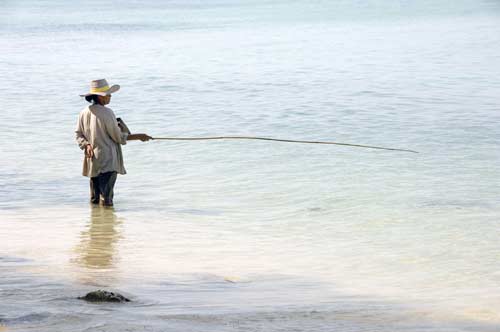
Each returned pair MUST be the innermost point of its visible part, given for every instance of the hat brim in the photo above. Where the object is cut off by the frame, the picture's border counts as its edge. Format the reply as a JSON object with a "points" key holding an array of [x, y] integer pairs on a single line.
{"points": [[108, 92]]}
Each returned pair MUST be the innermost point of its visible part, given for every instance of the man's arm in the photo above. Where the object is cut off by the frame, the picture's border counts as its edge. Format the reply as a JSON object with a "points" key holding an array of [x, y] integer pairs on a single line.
{"points": [[80, 137], [139, 137], [82, 141]]}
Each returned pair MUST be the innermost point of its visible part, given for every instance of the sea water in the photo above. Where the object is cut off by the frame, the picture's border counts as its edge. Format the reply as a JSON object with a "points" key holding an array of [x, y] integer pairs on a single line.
{"points": [[254, 235]]}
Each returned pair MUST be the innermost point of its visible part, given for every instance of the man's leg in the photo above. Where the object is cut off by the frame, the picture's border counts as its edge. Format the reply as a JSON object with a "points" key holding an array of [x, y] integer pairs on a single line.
{"points": [[94, 190], [107, 184]]}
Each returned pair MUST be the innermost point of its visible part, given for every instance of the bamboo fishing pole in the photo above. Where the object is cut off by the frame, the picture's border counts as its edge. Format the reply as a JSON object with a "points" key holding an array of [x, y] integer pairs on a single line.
{"points": [[277, 140]]}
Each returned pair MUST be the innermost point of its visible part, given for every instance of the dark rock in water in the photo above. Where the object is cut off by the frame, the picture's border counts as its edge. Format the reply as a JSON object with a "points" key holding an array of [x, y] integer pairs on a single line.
{"points": [[104, 296]]}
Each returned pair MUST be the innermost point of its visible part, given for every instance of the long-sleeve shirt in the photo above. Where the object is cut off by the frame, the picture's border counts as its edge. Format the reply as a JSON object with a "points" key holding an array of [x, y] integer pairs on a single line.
{"points": [[97, 126]]}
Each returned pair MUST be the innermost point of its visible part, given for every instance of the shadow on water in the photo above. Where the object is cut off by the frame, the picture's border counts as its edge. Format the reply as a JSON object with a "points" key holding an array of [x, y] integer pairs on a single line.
{"points": [[96, 251]]}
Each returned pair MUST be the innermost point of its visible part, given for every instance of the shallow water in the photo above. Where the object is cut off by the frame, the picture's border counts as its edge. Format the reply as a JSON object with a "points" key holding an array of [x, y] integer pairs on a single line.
{"points": [[249, 235]]}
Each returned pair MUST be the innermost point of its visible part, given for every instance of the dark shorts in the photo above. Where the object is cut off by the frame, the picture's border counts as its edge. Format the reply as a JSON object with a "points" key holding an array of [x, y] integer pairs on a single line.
{"points": [[101, 187]]}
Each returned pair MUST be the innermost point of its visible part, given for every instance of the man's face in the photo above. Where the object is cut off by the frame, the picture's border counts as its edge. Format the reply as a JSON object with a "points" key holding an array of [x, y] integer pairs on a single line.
{"points": [[104, 100]]}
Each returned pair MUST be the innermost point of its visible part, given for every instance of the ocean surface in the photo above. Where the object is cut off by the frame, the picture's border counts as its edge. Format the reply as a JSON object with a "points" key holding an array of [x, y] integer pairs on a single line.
{"points": [[254, 235]]}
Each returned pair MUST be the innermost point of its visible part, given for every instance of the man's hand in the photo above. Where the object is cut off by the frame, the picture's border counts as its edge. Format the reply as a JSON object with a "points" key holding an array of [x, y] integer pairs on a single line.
{"points": [[89, 151], [145, 137]]}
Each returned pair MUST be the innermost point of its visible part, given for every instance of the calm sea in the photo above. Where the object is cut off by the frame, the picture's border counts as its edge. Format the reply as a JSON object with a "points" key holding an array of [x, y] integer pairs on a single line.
{"points": [[253, 235]]}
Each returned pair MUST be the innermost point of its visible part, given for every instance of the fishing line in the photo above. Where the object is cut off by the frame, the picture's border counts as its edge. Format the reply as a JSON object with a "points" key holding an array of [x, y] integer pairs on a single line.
{"points": [[277, 140]]}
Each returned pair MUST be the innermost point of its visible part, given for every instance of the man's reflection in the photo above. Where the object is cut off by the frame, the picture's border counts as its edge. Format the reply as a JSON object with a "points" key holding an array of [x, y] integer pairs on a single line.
{"points": [[97, 246]]}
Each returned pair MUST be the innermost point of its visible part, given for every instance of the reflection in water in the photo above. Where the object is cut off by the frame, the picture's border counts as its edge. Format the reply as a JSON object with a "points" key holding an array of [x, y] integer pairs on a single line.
{"points": [[97, 247]]}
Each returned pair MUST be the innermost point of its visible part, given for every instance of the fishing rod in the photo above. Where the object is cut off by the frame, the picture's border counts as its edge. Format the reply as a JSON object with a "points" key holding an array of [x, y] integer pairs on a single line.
{"points": [[276, 140]]}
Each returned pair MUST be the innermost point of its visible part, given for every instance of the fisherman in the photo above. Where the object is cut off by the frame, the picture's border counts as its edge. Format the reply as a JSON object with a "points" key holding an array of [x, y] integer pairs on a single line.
{"points": [[99, 133]]}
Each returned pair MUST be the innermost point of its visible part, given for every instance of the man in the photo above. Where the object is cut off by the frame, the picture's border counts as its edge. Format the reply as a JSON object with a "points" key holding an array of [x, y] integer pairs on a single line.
{"points": [[100, 135]]}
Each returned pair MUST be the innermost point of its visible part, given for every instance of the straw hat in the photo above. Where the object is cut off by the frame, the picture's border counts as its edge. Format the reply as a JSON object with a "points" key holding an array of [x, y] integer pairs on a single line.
{"points": [[101, 88]]}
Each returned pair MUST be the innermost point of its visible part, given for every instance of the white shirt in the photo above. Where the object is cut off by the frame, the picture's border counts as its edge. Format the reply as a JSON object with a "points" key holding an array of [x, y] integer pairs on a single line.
{"points": [[97, 126]]}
